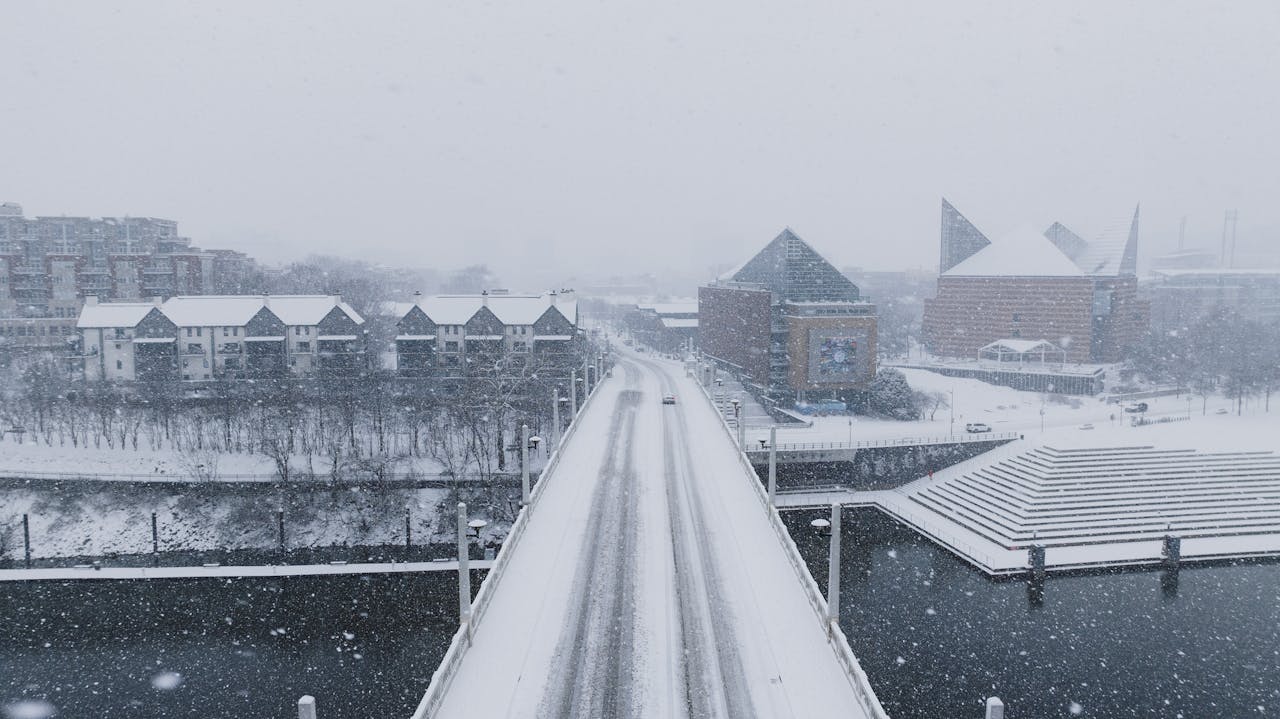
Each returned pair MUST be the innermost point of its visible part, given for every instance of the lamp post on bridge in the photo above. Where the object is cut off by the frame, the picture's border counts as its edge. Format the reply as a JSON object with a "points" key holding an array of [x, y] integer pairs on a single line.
{"points": [[737, 419], [773, 464], [833, 565], [573, 394], [465, 528]]}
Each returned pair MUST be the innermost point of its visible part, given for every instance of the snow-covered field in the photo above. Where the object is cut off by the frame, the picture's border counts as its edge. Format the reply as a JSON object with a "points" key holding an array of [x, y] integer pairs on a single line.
{"points": [[1010, 410]]}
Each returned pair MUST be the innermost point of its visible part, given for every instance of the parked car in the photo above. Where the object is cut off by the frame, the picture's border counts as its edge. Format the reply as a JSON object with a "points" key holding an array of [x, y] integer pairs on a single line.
{"points": [[977, 428], [1086, 426], [1136, 408], [1222, 410], [668, 399]]}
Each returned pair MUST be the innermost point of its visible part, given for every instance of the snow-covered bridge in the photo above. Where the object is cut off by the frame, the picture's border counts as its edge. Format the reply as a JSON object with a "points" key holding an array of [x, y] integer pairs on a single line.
{"points": [[649, 578]]}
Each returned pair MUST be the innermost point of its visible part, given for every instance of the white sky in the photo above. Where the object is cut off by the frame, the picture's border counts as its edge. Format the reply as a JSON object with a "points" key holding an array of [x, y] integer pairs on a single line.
{"points": [[640, 136]]}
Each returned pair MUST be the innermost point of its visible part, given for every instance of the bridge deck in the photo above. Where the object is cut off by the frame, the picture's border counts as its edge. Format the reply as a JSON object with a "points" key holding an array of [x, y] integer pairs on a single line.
{"points": [[649, 581]]}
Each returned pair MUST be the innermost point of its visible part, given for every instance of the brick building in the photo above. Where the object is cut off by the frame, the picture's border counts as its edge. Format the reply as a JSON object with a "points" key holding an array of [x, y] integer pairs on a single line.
{"points": [[1054, 286], [790, 324]]}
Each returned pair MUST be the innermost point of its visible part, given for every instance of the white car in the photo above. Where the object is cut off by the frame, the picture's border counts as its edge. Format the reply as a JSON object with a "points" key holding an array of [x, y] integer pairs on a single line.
{"points": [[668, 399], [977, 428]]}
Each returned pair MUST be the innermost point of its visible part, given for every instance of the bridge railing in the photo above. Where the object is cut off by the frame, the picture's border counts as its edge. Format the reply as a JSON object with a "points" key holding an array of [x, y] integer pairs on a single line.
{"points": [[858, 679], [461, 642], [895, 442]]}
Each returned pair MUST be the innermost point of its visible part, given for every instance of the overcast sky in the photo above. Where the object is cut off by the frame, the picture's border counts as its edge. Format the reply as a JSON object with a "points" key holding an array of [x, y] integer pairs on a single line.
{"points": [[611, 136]]}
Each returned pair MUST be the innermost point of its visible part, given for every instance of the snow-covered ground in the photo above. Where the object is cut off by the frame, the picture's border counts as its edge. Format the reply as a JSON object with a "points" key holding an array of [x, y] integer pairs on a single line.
{"points": [[649, 581], [100, 519], [1009, 410]]}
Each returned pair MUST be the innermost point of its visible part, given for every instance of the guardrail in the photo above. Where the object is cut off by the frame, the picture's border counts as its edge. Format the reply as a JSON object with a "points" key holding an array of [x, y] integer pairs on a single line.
{"points": [[461, 642], [898, 442], [297, 478], [858, 679]]}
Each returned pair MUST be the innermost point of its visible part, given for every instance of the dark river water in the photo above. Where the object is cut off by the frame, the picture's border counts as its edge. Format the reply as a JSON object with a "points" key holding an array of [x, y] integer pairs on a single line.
{"points": [[937, 637], [364, 646]]}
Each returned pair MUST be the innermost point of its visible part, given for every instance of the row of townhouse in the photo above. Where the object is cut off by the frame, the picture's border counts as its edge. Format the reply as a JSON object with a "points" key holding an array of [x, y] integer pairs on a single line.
{"points": [[453, 336], [207, 337]]}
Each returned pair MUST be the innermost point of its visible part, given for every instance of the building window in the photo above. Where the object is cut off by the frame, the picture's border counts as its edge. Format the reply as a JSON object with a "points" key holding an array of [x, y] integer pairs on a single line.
{"points": [[451, 346], [199, 332], [235, 331], [194, 349], [1016, 333], [519, 346], [119, 335], [304, 346], [188, 331], [226, 331], [1017, 317], [119, 364]]}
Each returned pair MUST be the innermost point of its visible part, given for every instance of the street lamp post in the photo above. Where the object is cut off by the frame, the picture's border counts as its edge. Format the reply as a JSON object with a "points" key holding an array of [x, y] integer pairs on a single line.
{"points": [[737, 419], [555, 411], [773, 464], [524, 465], [573, 394]]}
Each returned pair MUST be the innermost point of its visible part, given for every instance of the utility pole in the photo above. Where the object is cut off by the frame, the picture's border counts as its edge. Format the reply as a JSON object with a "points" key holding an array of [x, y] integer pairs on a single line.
{"points": [[573, 395]]}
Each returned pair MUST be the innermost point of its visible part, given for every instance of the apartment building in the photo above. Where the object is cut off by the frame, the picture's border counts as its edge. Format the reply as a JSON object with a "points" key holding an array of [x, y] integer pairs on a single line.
{"points": [[209, 337], [456, 336]]}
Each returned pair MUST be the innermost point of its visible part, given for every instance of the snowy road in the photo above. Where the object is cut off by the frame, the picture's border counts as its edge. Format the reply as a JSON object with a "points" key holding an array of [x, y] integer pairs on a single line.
{"points": [[649, 582]]}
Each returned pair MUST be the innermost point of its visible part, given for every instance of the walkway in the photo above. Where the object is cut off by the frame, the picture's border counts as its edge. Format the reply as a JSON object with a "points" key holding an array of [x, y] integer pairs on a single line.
{"points": [[650, 581]]}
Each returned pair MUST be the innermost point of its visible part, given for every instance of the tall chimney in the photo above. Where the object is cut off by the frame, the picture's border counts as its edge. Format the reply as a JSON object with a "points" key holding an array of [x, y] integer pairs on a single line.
{"points": [[552, 295], [157, 300], [266, 300], [484, 298], [90, 300]]}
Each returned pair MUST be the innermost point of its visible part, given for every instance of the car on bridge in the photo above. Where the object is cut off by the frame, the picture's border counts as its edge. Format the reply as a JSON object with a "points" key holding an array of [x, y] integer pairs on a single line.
{"points": [[1136, 408], [668, 399], [977, 428]]}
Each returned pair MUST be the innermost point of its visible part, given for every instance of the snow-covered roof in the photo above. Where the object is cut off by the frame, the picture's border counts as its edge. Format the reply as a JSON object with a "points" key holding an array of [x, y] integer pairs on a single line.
{"points": [[509, 309], [1023, 252], [113, 314], [237, 310], [679, 322], [217, 310]]}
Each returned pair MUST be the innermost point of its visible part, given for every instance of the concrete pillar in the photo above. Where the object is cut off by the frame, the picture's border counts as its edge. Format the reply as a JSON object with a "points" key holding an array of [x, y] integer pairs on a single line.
{"points": [[464, 571], [307, 707], [833, 570], [524, 465], [155, 541], [773, 464], [995, 708]]}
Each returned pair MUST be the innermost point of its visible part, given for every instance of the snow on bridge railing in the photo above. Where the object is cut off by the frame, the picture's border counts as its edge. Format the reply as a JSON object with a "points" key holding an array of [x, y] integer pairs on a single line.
{"points": [[858, 679], [452, 661], [895, 442]]}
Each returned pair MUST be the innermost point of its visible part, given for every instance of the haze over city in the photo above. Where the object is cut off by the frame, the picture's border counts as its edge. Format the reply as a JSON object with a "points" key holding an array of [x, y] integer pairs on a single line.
{"points": [[663, 137]]}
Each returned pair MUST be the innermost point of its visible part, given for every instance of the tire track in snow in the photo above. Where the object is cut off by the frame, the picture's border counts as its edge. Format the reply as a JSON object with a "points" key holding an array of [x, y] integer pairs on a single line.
{"points": [[597, 648]]}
